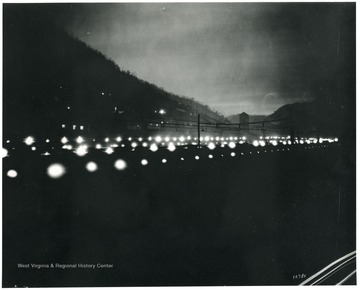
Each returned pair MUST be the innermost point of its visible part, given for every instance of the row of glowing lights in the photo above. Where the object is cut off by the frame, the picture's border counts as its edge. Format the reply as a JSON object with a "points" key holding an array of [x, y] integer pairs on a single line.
{"points": [[82, 149], [57, 170]]}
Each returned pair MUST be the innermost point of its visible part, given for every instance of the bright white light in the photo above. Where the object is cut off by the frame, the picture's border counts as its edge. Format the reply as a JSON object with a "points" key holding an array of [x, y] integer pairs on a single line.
{"points": [[12, 173], [81, 150], [29, 140], [91, 166], [289, 142], [262, 143], [129, 138], [315, 141], [114, 145], [167, 139], [118, 139], [182, 139], [232, 145], [4, 152], [79, 139], [33, 148], [64, 140], [62, 125], [217, 138], [158, 139], [134, 144], [144, 144], [188, 137], [256, 143], [122, 145], [174, 139], [232, 154], [56, 170], [7, 141], [109, 150], [140, 139], [144, 162], [150, 138], [81, 127], [162, 112], [222, 138], [244, 138], [197, 157], [274, 143], [98, 146], [120, 164], [153, 147], [301, 141], [210, 156], [47, 141], [336, 139], [231, 138], [211, 146], [164, 161], [106, 139], [182, 159], [171, 147]]}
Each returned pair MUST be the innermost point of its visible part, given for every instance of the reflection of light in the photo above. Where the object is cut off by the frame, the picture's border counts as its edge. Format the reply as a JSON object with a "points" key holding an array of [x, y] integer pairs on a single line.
{"points": [[256, 143], [232, 154], [64, 140], [134, 144], [109, 150], [164, 161], [197, 157], [12, 173], [144, 162], [153, 147], [29, 140], [81, 150], [171, 147], [158, 139], [120, 164], [211, 146], [46, 153], [4, 152], [210, 156], [232, 145], [56, 170], [91, 166]]}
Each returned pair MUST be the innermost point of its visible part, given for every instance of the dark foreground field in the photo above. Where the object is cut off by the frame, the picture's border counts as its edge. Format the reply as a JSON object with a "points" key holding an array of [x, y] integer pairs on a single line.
{"points": [[266, 218]]}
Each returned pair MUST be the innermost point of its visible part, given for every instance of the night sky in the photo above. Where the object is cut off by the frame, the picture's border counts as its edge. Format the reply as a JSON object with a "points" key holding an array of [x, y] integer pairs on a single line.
{"points": [[234, 57]]}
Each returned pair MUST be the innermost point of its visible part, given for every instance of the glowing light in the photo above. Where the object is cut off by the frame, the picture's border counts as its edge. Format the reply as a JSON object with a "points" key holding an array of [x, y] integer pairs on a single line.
{"points": [[315, 141], [120, 164], [114, 145], [289, 142], [211, 146], [79, 139], [162, 112], [232, 154], [33, 148], [182, 139], [7, 141], [274, 143], [174, 139], [188, 137], [64, 140], [91, 166], [167, 139], [46, 153], [29, 140], [256, 143], [144, 144], [106, 139], [123, 145], [210, 156], [140, 139], [164, 161], [144, 162], [244, 138], [301, 141], [171, 147], [262, 143], [4, 152], [158, 139], [134, 144], [129, 138], [153, 147], [12, 173], [232, 145], [197, 157], [182, 159], [47, 141], [81, 150], [56, 170], [118, 139], [109, 150], [98, 146]]}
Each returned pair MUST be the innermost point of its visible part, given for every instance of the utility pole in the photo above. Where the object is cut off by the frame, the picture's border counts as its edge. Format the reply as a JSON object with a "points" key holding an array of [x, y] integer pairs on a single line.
{"points": [[199, 130]]}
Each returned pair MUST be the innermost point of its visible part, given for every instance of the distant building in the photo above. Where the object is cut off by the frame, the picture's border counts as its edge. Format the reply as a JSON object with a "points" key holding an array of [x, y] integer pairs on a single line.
{"points": [[244, 121]]}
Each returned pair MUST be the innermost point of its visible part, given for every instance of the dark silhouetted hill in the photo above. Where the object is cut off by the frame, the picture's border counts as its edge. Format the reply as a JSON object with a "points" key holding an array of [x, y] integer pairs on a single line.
{"points": [[52, 78]]}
